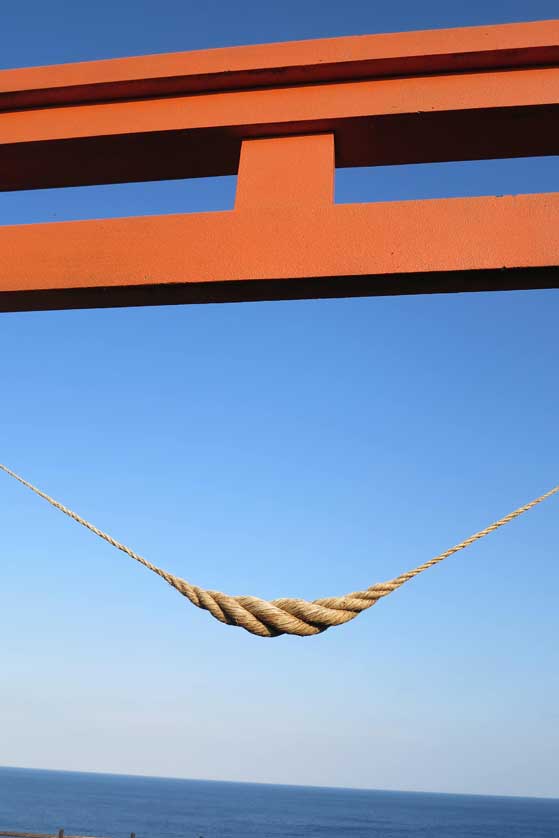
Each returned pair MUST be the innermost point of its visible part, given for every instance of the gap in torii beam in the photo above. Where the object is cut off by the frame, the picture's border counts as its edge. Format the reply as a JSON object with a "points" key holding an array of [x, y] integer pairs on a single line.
{"points": [[283, 116]]}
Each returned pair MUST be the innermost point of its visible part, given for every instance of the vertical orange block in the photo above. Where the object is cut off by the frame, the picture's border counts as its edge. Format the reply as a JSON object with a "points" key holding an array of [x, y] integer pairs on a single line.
{"points": [[286, 171]]}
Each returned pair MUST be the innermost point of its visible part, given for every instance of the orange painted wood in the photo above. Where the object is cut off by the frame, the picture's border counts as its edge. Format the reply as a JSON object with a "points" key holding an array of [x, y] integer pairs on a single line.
{"points": [[298, 62], [415, 119], [285, 246], [318, 104], [296, 172], [285, 237], [461, 94]]}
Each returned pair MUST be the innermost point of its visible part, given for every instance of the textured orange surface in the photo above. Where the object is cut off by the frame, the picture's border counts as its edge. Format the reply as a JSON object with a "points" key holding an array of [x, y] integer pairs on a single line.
{"points": [[311, 106], [460, 94], [333, 59], [285, 236], [416, 119], [294, 172], [284, 242]]}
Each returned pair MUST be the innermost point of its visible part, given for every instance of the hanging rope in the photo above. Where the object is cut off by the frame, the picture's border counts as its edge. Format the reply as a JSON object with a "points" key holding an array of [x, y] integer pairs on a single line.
{"points": [[283, 616]]}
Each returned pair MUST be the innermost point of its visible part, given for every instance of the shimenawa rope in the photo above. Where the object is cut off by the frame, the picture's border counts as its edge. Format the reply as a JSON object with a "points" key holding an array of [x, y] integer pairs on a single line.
{"points": [[288, 615]]}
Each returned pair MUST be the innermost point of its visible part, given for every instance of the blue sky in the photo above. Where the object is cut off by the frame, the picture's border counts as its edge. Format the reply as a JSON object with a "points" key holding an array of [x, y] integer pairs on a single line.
{"points": [[294, 448]]}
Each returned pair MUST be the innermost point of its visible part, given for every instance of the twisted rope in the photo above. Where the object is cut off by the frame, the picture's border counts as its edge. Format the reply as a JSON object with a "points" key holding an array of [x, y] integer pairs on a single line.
{"points": [[287, 615]]}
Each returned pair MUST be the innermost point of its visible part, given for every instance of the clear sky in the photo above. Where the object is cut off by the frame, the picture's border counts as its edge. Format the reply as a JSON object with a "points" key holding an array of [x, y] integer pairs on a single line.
{"points": [[294, 448]]}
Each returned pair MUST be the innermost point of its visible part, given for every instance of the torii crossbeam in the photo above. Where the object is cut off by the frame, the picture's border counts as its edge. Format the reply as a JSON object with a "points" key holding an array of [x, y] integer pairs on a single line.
{"points": [[283, 116]]}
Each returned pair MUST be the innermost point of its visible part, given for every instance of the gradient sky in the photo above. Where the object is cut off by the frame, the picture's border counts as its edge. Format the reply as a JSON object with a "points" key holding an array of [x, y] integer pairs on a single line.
{"points": [[294, 448]]}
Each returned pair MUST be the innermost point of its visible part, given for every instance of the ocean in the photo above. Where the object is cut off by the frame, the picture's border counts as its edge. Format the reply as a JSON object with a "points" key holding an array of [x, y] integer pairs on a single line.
{"points": [[114, 805]]}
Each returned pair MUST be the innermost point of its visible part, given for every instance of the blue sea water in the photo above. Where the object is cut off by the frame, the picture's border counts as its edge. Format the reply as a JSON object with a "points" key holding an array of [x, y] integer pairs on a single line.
{"points": [[115, 805]]}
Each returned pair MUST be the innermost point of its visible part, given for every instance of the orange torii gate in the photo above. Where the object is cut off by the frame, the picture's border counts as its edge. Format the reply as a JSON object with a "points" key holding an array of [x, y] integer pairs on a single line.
{"points": [[284, 116]]}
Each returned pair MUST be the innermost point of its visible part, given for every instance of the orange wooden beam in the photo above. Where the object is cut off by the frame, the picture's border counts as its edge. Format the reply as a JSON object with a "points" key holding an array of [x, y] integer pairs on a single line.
{"points": [[450, 117], [461, 94], [490, 92], [285, 239], [439, 51]]}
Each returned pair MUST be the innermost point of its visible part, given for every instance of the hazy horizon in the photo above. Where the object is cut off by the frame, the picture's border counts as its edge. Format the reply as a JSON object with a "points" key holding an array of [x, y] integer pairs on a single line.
{"points": [[263, 783]]}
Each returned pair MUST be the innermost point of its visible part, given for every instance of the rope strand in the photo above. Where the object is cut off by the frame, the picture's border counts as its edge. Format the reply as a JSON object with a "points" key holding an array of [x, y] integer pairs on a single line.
{"points": [[287, 615]]}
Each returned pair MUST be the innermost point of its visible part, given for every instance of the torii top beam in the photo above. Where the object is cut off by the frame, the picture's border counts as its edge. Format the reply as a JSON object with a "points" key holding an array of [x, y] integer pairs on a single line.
{"points": [[283, 116]]}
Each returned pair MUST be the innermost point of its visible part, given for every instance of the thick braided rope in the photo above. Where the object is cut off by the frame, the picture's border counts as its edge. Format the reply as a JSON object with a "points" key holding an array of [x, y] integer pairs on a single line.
{"points": [[283, 616]]}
